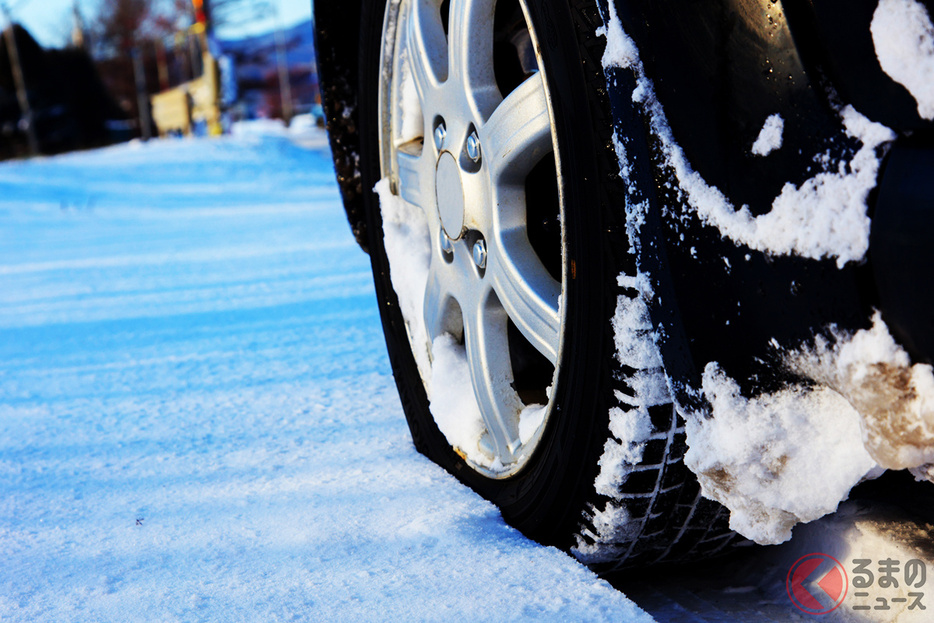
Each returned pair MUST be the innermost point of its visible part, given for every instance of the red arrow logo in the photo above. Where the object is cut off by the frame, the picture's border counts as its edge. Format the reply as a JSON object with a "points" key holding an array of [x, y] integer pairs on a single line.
{"points": [[823, 572]]}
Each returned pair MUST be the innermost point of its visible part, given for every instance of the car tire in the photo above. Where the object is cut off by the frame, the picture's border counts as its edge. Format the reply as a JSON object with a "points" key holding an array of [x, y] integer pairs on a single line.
{"points": [[603, 475]]}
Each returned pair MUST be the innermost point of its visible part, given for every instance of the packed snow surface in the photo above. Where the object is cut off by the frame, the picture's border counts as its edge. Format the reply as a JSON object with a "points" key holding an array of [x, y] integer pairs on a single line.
{"points": [[823, 217], [198, 420], [407, 244], [453, 404], [770, 137], [903, 36]]}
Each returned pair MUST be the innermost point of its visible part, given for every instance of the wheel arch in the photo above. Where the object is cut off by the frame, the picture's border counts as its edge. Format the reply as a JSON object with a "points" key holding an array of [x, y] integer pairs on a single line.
{"points": [[719, 70]]}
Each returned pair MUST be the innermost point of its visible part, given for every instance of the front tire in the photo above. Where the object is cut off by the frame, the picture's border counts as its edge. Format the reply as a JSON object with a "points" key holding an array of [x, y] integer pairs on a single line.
{"points": [[571, 431]]}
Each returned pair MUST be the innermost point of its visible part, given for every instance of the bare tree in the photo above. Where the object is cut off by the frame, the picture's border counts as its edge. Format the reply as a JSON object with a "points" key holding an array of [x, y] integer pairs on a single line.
{"points": [[123, 37], [120, 24]]}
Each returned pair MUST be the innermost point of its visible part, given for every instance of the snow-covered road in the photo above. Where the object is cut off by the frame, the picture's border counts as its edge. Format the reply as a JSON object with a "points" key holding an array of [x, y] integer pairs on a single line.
{"points": [[198, 422], [197, 417]]}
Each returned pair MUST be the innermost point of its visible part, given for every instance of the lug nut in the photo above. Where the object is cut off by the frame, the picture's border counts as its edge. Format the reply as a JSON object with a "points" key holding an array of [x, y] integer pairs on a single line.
{"points": [[473, 146], [479, 253], [446, 245], [440, 133]]}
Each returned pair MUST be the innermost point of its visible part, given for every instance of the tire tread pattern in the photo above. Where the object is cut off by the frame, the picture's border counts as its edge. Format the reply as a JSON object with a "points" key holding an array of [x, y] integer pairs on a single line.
{"points": [[666, 518]]}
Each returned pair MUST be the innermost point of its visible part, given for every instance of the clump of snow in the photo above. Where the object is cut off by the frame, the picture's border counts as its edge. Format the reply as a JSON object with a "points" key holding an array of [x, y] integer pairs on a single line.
{"points": [[531, 419], [777, 459], [894, 398], [632, 324], [791, 456], [453, 404], [613, 527], [620, 49], [408, 248], [770, 137], [409, 111], [923, 472], [903, 36], [631, 429], [634, 336], [824, 217]]}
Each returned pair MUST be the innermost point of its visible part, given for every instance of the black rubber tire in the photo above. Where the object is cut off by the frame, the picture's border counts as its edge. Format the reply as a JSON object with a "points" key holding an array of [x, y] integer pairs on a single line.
{"points": [[553, 498]]}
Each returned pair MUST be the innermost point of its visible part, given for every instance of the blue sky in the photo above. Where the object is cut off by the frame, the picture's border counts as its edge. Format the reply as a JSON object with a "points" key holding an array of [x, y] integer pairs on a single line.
{"points": [[49, 20]]}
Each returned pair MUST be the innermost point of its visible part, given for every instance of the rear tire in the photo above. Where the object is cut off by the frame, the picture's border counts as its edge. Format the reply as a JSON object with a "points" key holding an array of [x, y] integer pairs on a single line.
{"points": [[604, 475]]}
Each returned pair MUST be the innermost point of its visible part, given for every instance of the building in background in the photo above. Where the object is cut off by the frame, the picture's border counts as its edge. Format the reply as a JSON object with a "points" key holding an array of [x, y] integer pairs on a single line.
{"points": [[256, 65], [243, 76], [71, 108], [192, 105], [105, 87]]}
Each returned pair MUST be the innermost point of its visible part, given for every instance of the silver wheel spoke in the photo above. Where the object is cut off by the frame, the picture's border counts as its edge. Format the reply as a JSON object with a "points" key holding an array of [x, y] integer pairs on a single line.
{"points": [[414, 174], [426, 47], [438, 308], [518, 133], [433, 308], [470, 41], [491, 375], [527, 291]]}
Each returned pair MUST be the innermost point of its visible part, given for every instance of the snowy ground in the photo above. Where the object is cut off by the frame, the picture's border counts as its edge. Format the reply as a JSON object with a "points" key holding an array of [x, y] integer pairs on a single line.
{"points": [[198, 422], [197, 418]]}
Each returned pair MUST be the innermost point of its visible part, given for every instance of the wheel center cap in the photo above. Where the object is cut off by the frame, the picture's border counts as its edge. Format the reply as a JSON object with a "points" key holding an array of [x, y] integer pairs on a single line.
{"points": [[450, 195]]}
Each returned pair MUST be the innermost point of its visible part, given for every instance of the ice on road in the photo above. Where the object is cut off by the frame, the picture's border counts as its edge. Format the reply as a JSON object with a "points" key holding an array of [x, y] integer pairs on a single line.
{"points": [[198, 420]]}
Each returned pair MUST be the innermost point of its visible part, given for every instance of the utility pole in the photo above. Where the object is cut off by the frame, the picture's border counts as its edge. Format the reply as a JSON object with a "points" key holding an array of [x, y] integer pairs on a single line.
{"points": [[162, 64], [21, 95], [282, 60], [142, 98]]}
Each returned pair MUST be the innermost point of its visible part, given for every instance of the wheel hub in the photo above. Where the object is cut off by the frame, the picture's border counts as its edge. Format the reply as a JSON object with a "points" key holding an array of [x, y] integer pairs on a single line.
{"points": [[450, 195]]}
